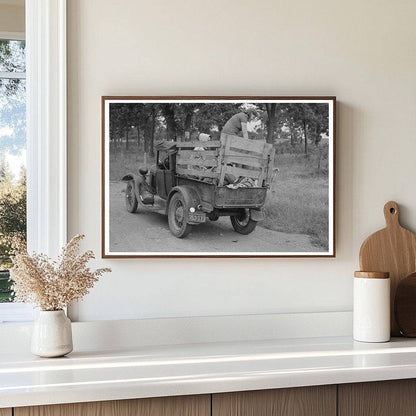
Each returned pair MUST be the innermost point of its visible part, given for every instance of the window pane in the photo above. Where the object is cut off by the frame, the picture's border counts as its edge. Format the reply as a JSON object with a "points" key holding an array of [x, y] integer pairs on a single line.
{"points": [[12, 56], [12, 174], [12, 118]]}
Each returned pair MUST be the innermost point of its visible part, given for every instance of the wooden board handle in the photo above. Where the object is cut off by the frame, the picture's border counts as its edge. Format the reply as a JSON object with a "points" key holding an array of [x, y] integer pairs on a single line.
{"points": [[391, 214]]}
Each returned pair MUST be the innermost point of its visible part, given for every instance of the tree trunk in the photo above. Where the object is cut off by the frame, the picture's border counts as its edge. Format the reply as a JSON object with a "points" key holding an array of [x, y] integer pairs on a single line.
{"points": [[187, 126], [147, 136], [306, 138], [152, 134], [317, 134], [169, 113], [126, 136], [138, 134], [292, 134], [138, 139], [118, 141], [319, 159], [271, 122]]}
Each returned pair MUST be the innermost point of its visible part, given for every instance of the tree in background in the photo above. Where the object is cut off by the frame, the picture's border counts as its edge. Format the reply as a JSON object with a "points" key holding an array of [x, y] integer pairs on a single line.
{"points": [[165, 121], [168, 111], [187, 113], [311, 120], [135, 127], [271, 121], [210, 118], [12, 97], [12, 213], [150, 114], [12, 224]]}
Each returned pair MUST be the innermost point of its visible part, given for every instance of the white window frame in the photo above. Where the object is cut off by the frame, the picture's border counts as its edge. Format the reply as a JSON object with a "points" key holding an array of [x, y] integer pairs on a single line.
{"points": [[14, 312], [46, 127]]}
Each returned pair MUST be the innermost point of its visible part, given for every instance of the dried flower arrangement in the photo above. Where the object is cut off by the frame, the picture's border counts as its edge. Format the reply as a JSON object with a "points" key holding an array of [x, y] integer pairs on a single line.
{"points": [[53, 285]]}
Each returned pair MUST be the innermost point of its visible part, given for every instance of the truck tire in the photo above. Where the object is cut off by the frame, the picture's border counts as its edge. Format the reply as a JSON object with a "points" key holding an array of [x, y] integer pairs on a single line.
{"points": [[243, 223], [177, 216], [131, 199]]}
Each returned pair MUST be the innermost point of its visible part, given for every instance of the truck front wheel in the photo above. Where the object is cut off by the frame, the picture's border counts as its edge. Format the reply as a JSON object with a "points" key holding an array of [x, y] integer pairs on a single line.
{"points": [[243, 223], [177, 216], [131, 199]]}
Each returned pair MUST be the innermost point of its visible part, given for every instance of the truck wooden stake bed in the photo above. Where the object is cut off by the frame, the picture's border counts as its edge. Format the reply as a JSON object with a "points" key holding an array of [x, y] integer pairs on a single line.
{"points": [[196, 181]]}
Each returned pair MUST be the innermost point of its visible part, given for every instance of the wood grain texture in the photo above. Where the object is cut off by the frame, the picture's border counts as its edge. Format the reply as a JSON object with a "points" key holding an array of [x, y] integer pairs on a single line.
{"points": [[160, 406], [198, 143], [195, 172], [301, 401], [405, 306], [197, 162], [372, 275], [393, 250], [5, 412], [381, 398]]}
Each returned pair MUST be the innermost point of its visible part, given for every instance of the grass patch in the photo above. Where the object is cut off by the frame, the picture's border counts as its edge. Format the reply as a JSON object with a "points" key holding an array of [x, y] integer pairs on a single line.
{"points": [[298, 200], [124, 161]]}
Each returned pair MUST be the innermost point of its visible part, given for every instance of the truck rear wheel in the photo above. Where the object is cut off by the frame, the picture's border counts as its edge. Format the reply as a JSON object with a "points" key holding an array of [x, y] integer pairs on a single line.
{"points": [[131, 199], [243, 223], [177, 216]]}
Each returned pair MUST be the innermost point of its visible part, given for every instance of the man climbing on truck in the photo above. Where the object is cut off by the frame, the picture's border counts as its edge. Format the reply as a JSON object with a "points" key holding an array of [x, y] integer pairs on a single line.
{"points": [[237, 124]]}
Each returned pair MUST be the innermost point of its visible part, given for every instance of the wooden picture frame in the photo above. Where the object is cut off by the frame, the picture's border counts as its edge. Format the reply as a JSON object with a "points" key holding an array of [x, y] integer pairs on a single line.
{"points": [[220, 159]]}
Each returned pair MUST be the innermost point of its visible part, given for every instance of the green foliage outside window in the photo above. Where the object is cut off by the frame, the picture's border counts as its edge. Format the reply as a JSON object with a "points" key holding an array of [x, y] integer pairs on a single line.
{"points": [[12, 147], [12, 223]]}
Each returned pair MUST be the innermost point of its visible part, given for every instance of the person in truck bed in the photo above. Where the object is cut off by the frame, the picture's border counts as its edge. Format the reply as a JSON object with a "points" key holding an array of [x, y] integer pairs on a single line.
{"points": [[203, 137], [237, 124]]}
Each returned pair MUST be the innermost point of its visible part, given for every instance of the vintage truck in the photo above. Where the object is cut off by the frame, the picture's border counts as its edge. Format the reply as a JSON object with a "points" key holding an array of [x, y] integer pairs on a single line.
{"points": [[196, 181]]}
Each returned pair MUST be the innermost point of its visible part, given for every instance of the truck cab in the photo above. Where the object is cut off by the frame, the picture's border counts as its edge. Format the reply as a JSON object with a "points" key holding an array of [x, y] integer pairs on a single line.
{"points": [[162, 175]]}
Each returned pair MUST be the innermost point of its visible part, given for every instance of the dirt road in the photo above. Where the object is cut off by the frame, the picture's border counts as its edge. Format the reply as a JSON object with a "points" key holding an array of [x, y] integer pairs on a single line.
{"points": [[147, 231]]}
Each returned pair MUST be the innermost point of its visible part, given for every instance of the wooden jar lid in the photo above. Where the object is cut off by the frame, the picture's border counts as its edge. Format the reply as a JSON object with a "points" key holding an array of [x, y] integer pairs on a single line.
{"points": [[372, 275]]}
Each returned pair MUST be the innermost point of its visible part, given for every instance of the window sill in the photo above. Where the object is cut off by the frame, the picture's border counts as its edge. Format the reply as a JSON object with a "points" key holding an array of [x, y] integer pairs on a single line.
{"points": [[16, 313]]}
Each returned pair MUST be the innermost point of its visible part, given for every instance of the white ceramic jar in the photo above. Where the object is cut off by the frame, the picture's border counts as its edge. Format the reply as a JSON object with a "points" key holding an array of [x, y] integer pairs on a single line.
{"points": [[371, 305], [52, 334]]}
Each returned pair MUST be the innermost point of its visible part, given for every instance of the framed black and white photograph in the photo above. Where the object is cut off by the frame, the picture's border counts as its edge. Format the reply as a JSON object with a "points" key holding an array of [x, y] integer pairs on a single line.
{"points": [[218, 176]]}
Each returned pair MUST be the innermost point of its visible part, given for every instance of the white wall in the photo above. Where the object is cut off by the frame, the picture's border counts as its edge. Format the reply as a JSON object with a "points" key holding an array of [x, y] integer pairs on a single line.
{"points": [[361, 51]]}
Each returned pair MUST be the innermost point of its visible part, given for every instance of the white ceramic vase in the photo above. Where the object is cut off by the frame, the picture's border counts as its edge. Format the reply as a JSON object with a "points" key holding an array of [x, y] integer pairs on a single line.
{"points": [[52, 334]]}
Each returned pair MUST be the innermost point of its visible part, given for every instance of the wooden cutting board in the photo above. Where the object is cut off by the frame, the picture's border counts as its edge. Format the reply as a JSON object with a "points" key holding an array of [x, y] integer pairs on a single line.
{"points": [[393, 250]]}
